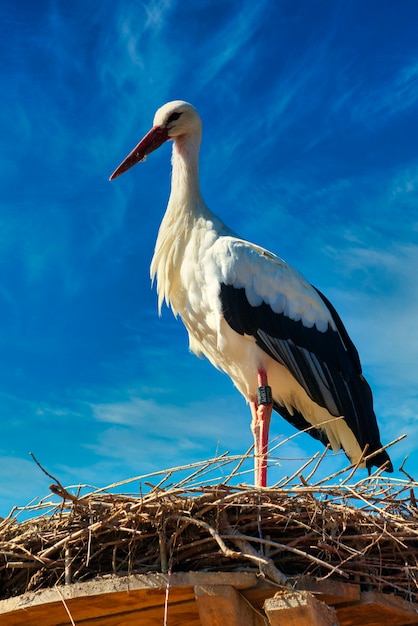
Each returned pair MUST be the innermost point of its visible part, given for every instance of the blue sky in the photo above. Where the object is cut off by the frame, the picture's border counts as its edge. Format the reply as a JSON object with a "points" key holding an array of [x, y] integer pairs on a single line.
{"points": [[309, 148]]}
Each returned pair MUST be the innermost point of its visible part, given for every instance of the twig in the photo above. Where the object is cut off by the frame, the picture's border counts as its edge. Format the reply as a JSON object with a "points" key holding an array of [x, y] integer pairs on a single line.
{"points": [[318, 463], [239, 465], [65, 605], [287, 548], [248, 550], [47, 473], [356, 465], [299, 471], [233, 554], [401, 469], [67, 565], [167, 593]]}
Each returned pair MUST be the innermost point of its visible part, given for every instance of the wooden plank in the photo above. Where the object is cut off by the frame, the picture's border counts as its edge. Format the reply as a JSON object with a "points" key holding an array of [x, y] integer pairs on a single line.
{"points": [[115, 584], [56, 615], [110, 598], [129, 600], [329, 591], [109, 610], [221, 605], [375, 609], [299, 608]]}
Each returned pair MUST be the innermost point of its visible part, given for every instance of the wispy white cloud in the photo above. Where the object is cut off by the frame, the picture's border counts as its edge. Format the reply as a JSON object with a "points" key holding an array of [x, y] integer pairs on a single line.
{"points": [[233, 41], [376, 102], [21, 482], [157, 13], [156, 418]]}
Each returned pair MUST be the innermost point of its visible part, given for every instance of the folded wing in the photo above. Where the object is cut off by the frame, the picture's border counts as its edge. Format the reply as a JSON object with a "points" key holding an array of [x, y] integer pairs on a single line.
{"points": [[298, 327]]}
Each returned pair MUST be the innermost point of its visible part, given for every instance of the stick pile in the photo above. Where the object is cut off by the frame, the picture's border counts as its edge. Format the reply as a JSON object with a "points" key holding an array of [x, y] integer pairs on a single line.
{"points": [[366, 532]]}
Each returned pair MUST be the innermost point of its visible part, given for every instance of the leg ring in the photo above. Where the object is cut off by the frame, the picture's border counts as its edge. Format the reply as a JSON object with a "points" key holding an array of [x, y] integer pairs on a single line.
{"points": [[264, 395]]}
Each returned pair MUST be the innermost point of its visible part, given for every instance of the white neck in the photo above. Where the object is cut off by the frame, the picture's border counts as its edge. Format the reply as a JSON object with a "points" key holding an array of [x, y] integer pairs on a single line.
{"points": [[185, 207], [185, 187]]}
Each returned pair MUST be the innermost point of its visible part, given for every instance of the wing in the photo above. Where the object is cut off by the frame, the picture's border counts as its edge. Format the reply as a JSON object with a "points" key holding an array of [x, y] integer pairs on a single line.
{"points": [[297, 326]]}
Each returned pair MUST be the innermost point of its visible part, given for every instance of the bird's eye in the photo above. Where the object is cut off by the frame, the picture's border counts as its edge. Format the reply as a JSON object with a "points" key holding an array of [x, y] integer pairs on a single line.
{"points": [[173, 117]]}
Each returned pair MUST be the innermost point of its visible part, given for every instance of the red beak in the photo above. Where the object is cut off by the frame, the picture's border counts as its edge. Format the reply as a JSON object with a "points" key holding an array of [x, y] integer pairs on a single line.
{"points": [[152, 140]]}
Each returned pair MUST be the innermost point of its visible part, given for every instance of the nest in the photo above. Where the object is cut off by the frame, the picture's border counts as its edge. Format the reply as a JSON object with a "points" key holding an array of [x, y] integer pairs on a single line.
{"points": [[364, 532]]}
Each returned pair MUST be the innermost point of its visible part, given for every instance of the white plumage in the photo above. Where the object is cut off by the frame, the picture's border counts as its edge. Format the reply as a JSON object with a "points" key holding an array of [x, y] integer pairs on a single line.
{"points": [[251, 314]]}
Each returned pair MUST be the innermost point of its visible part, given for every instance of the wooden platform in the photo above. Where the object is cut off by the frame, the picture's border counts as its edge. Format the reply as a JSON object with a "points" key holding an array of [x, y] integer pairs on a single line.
{"points": [[205, 599]]}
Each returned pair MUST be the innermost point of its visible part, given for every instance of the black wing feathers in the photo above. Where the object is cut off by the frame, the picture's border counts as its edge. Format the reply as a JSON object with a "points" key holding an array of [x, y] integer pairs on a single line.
{"points": [[326, 364]]}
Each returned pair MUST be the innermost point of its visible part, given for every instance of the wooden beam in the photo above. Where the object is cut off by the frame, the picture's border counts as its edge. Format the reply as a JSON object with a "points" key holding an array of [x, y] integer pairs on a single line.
{"points": [[329, 591], [109, 600], [299, 608], [375, 609], [222, 605]]}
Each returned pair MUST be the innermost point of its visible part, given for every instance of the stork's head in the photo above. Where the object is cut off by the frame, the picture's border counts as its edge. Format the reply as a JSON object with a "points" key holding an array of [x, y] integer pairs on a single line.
{"points": [[172, 120]]}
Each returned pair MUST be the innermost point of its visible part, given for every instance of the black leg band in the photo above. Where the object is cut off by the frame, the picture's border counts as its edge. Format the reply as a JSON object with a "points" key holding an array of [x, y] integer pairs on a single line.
{"points": [[264, 395]]}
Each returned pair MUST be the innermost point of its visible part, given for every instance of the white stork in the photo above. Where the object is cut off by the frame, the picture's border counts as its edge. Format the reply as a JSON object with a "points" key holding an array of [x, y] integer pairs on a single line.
{"points": [[252, 315]]}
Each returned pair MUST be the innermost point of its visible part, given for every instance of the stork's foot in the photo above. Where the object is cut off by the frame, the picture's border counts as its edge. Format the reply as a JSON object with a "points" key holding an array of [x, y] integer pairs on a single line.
{"points": [[261, 413]]}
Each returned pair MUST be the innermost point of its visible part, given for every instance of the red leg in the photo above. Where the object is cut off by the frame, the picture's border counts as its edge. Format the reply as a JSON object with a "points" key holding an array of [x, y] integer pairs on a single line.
{"points": [[261, 413]]}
